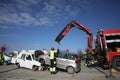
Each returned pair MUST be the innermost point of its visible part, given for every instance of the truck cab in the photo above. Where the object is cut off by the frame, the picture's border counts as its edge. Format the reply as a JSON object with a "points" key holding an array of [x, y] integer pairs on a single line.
{"points": [[106, 43]]}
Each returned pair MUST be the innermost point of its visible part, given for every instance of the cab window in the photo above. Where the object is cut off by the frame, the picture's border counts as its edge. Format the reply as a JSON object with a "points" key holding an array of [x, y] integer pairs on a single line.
{"points": [[23, 56], [28, 57]]}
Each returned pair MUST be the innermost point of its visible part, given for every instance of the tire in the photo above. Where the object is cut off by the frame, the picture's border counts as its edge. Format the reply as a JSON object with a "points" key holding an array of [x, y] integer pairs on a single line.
{"points": [[70, 70], [116, 63], [78, 71], [18, 65], [35, 68], [5, 63]]}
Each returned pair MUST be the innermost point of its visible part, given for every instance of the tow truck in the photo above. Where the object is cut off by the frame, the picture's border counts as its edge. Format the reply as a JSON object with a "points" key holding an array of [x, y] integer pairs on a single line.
{"points": [[105, 40]]}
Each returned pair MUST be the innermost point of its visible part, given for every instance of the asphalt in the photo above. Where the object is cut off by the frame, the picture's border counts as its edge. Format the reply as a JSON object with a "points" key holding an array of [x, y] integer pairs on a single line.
{"points": [[11, 72]]}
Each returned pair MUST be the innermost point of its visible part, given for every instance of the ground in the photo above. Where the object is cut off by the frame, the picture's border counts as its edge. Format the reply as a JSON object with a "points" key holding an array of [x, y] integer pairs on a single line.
{"points": [[11, 72]]}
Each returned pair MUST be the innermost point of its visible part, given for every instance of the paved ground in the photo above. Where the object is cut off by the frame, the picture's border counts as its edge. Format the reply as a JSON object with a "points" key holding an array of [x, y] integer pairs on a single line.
{"points": [[10, 72]]}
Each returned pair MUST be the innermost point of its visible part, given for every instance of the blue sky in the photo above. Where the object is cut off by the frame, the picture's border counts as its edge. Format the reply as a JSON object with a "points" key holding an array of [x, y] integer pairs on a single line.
{"points": [[34, 24]]}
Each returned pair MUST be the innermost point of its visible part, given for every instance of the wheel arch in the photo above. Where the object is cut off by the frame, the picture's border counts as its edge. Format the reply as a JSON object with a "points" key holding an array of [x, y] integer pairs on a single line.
{"points": [[42, 61], [114, 61], [35, 67], [68, 67]]}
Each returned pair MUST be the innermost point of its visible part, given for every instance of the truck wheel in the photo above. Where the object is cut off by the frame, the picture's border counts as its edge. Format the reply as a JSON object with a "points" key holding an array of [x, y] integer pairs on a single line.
{"points": [[116, 63], [35, 68], [70, 70]]}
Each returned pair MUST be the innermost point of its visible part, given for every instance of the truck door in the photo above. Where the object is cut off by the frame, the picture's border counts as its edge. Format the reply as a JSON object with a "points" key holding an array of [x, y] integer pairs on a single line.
{"points": [[21, 60]]}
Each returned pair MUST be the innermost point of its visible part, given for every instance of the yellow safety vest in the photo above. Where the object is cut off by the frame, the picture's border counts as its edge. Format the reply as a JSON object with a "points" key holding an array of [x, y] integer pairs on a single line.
{"points": [[1, 57], [52, 54]]}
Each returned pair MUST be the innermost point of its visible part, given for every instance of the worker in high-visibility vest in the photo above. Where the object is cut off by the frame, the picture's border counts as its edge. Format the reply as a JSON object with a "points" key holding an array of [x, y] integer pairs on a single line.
{"points": [[53, 62], [1, 55]]}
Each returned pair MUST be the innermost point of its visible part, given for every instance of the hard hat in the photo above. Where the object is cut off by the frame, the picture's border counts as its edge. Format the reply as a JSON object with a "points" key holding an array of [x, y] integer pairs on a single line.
{"points": [[52, 48], [3, 49]]}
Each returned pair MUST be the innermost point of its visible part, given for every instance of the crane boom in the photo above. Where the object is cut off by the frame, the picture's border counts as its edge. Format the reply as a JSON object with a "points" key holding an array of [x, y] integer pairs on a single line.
{"points": [[72, 24]]}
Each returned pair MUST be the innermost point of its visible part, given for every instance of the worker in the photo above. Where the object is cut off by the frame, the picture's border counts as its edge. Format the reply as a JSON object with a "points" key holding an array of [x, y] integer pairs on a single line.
{"points": [[53, 62], [1, 55], [66, 55], [87, 59]]}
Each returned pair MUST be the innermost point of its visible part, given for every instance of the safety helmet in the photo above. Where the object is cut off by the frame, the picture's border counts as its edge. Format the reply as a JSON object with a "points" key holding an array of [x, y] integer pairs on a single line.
{"points": [[52, 48], [3, 49]]}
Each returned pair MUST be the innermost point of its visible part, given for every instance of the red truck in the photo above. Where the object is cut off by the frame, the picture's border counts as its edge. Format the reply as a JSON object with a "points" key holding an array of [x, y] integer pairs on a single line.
{"points": [[106, 42], [107, 45]]}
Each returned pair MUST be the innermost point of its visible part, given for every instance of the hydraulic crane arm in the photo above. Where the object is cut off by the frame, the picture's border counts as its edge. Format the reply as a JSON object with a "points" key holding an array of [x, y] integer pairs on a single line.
{"points": [[80, 26]]}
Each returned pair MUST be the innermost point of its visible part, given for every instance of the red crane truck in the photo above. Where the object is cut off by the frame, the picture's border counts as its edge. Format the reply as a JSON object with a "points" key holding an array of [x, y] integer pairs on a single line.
{"points": [[105, 43]]}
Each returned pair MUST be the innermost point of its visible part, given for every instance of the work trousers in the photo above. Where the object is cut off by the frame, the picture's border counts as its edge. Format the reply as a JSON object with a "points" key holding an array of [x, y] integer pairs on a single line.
{"points": [[53, 65]]}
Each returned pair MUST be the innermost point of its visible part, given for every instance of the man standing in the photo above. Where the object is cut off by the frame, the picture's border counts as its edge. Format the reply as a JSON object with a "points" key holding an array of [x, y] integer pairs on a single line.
{"points": [[53, 62], [1, 55]]}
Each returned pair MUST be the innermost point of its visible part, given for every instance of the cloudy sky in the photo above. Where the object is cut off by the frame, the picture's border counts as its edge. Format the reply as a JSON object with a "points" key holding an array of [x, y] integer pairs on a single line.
{"points": [[34, 24]]}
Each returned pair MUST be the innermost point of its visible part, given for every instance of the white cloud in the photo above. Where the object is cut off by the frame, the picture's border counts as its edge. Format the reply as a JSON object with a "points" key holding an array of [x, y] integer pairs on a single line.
{"points": [[4, 27], [45, 20], [8, 19], [49, 8], [26, 3], [12, 13], [27, 19], [38, 12], [71, 11], [21, 12], [34, 1]]}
